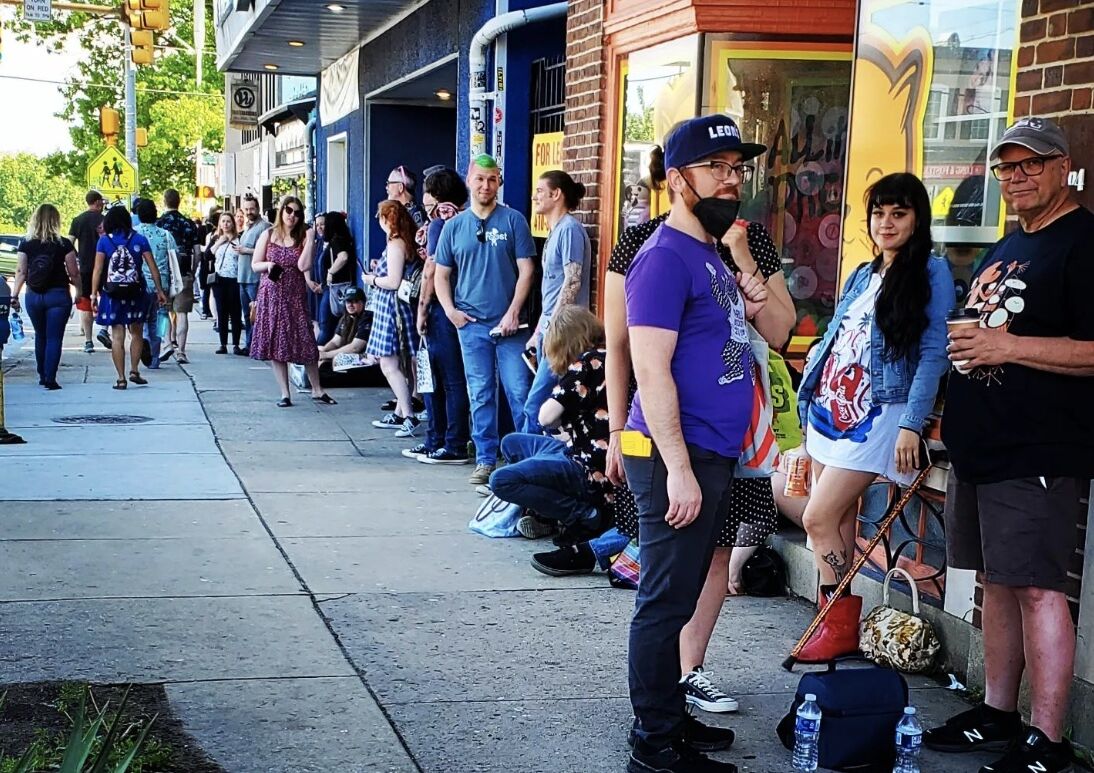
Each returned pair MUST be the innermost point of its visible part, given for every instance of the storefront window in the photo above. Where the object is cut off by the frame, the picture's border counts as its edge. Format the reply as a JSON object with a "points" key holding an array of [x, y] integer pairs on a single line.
{"points": [[795, 101], [659, 88], [932, 95]]}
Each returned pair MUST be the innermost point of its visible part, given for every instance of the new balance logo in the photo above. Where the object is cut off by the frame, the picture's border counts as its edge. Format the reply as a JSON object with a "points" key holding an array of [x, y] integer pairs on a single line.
{"points": [[973, 736], [1037, 767]]}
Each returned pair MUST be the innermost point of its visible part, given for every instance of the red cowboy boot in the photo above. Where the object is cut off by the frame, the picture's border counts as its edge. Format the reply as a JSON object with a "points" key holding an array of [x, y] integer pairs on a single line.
{"points": [[837, 634]]}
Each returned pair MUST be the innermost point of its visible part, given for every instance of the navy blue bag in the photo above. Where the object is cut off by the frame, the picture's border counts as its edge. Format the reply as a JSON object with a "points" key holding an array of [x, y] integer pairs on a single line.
{"points": [[860, 709]]}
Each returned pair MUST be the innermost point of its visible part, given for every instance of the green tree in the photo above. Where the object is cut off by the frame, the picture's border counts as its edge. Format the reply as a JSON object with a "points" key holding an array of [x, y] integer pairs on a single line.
{"points": [[177, 111], [26, 183]]}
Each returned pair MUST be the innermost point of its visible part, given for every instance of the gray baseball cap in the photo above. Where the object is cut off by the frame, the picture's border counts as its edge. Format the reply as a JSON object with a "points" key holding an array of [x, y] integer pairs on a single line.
{"points": [[1041, 135]]}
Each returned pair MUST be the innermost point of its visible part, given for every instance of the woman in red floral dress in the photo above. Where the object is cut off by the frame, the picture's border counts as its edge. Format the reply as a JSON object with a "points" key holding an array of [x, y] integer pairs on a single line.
{"points": [[282, 331]]}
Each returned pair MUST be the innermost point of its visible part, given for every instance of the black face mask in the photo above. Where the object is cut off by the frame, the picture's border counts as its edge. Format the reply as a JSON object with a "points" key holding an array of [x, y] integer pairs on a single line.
{"points": [[714, 214]]}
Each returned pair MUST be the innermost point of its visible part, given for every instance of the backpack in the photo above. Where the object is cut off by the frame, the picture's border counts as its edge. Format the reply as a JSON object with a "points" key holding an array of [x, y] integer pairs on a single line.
{"points": [[764, 574], [40, 272], [123, 273]]}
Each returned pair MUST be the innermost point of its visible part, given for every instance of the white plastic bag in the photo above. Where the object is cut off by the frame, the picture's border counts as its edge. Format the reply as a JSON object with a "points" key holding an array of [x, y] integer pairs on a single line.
{"points": [[496, 518], [424, 370]]}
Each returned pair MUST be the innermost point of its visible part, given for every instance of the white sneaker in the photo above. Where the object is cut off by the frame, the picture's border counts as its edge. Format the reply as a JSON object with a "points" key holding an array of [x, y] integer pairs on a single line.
{"points": [[699, 691]]}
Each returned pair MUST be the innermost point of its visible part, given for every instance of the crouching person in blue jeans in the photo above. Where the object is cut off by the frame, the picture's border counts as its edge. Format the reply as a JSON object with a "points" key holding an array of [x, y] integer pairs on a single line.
{"points": [[560, 480]]}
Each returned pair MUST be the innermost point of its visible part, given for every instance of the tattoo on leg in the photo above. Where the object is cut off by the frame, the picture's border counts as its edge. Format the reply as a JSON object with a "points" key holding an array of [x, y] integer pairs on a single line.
{"points": [[838, 563]]}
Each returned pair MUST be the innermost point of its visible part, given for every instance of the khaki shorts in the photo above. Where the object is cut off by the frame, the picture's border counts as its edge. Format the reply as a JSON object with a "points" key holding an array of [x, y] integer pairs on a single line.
{"points": [[183, 303], [1021, 533]]}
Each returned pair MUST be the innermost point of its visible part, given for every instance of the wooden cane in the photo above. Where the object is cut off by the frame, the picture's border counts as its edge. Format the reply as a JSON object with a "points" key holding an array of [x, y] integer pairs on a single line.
{"points": [[864, 556]]}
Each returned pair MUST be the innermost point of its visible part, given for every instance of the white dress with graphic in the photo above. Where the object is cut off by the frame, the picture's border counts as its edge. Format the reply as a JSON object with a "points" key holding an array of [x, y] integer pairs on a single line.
{"points": [[844, 429]]}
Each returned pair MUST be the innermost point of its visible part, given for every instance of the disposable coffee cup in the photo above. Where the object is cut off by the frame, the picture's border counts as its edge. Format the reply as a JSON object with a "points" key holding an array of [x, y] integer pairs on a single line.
{"points": [[958, 318]]}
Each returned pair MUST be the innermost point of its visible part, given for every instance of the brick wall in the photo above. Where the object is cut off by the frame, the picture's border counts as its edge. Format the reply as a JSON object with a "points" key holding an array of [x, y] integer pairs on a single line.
{"points": [[1056, 79], [586, 85], [1055, 57]]}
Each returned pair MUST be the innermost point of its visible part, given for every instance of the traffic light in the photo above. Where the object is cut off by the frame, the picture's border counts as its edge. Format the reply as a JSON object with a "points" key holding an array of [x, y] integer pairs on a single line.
{"points": [[142, 137], [108, 124], [143, 46], [147, 14]]}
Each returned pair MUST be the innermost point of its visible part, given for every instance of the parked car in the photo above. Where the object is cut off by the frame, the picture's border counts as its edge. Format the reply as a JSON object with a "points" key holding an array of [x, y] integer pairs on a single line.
{"points": [[8, 243]]}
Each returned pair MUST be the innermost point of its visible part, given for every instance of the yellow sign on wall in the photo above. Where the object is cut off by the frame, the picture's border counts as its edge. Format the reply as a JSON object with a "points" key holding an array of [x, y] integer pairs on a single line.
{"points": [[546, 155], [111, 174]]}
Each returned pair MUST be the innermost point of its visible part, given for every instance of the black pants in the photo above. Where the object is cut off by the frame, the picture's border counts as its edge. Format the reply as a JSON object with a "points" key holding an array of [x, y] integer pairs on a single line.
{"points": [[675, 563], [226, 291]]}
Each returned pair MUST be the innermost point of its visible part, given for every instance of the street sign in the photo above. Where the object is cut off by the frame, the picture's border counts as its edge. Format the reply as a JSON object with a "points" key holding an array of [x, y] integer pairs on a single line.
{"points": [[38, 10], [244, 106], [111, 174]]}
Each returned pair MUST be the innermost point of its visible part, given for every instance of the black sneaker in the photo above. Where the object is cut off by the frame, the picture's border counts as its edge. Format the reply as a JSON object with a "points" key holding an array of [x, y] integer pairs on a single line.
{"points": [[390, 405], [1037, 753], [146, 352], [979, 729], [564, 562], [700, 737], [677, 758], [444, 456], [416, 405], [417, 452], [104, 338], [389, 421]]}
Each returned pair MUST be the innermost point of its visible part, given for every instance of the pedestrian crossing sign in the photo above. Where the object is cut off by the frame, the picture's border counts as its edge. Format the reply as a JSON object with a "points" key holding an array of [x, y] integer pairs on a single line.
{"points": [[111, 174]]}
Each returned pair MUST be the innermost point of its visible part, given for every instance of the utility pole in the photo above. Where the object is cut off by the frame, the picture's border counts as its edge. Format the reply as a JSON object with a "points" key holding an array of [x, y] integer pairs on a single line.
{"points": [[130, 100]]}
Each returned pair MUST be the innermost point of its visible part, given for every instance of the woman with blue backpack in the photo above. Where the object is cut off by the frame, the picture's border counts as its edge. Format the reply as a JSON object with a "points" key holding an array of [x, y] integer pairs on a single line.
{"points": [[120, 296], [47, 266]]}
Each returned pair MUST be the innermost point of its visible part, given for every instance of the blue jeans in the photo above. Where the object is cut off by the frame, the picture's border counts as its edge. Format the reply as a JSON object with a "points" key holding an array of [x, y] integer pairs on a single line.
{"points": [[248, 294], [542, 385], [152, 328], [540, 475], [48, 314], [328, 323], [448, 405], [674, 568], [487, 362], [607, 545]]}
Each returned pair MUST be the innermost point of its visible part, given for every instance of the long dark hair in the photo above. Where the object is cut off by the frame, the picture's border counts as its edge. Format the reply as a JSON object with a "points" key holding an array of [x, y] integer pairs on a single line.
{"points": [[901, 307], [572, 192], [299, 230], [337, 230], [117, 220]]}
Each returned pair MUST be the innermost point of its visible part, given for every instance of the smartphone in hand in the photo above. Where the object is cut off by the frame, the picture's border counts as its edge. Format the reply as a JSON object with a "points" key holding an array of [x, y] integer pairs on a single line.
{"points": [[276, 270]]}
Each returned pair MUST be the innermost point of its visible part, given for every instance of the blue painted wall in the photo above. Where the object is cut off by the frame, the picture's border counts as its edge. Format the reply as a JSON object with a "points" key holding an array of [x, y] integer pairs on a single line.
{"points": [[352, 125], [416, 137]]}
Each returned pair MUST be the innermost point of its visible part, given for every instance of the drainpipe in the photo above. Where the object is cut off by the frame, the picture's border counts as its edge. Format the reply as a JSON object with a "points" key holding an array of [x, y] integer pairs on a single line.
{"points": [[309, 163], [479, 120]]}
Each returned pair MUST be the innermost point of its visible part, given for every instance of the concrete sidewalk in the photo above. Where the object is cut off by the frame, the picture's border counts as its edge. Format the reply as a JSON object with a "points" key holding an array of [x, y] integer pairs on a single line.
{"points": [[313, 600]]}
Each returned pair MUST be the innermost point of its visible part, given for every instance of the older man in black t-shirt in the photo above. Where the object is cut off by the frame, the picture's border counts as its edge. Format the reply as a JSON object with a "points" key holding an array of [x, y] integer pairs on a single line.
{"points": [[85, 231], [1019, 427], [351, 335]]}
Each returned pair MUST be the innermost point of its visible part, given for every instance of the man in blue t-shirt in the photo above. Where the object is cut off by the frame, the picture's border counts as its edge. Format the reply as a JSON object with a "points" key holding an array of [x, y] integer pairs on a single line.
{"points": [[689, 344], [484, 273]]}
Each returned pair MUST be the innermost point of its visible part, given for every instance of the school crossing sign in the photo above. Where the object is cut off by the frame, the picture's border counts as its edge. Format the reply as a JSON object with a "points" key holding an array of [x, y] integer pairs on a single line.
{"points": [[111, 174]]}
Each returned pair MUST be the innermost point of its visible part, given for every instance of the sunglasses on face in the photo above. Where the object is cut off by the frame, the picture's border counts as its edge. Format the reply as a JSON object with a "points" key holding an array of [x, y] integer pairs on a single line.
{"points": [[291, 211]]}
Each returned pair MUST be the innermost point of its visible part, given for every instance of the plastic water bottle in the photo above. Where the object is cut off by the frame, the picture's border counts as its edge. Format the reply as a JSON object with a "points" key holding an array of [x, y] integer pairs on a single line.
{"points": [[909, 737], [807, 734], [16, 323]]}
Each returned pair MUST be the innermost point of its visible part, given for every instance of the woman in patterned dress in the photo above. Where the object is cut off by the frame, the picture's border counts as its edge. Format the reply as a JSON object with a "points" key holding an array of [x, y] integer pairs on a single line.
{"points": [[752, 516], [282, 331], [389, 313]]}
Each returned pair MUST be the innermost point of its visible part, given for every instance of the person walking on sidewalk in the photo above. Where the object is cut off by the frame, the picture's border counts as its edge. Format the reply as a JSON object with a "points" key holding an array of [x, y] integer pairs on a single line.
{"points": [[119, 289], [567, 265], [85, 231], [689, 344], [490, 250], [163, 244], [225, 287], [247, 278], [1020, 434], [185, 234], [47, 265], [868, 390], [389, 313], [448, 407], [282, 330]]}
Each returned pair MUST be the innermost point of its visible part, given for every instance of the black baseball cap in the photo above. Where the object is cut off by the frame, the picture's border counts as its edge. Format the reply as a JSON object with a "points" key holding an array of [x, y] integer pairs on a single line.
{"points": [[353, 295], [1041, 135], [697, 138]]}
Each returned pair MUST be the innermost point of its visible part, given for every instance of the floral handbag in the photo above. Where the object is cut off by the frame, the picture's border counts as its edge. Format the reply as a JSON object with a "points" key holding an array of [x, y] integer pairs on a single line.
{"points": [[897, 639]]}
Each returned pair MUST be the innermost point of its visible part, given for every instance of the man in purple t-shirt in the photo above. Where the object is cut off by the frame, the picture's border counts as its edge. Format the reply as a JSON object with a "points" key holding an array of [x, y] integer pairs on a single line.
{"points": [[689, 344]]}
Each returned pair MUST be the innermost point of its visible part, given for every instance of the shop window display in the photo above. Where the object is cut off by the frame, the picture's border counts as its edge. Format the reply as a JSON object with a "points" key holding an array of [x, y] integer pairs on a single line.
{"points": [[795, 101], [658, 90]]}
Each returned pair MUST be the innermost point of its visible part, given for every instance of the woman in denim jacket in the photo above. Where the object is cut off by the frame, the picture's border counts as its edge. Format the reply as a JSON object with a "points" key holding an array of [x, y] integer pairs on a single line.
{"points": [[870, 385]]}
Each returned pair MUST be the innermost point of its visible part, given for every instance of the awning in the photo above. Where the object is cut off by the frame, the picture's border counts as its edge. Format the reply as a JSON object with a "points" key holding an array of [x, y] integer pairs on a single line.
{"points": [[269, 33], [298, 109]]}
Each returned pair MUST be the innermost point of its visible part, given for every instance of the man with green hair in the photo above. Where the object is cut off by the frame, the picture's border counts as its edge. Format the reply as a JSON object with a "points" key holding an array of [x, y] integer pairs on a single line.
{"points": [[484, 273]]}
